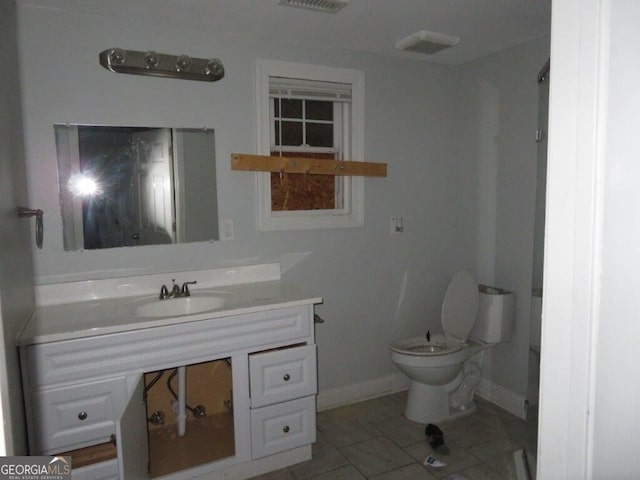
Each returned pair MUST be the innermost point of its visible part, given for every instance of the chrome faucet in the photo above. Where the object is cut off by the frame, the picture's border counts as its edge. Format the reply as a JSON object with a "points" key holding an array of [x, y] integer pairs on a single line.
{"points": [[164, 293], [176, 291], [184, 291]]}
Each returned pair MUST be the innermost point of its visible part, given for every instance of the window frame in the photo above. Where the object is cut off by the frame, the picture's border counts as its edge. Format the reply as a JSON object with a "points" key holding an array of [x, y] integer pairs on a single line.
{"points": [[352, 215]]}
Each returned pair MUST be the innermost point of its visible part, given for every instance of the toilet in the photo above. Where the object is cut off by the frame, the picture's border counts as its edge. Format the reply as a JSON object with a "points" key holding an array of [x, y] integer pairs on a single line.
{"points": [[444, 368]]}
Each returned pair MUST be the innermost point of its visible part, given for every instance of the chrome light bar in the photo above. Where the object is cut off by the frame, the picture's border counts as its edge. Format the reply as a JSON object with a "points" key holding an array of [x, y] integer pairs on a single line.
{"points": [[161, 65]]}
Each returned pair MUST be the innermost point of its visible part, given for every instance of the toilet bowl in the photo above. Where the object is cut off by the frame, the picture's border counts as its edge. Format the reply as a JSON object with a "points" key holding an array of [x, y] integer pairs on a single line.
{"points": [[442, 386], [437, 364]]}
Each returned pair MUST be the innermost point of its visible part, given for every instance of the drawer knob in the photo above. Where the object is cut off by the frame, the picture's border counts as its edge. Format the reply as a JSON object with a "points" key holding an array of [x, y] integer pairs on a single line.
{"points": [[286, 429], [82, 415], [286, 377]]}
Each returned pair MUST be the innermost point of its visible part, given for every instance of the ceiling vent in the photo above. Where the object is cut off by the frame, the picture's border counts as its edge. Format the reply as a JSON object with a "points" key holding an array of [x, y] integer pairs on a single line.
{"points": [[426, 42], [327, 6]]}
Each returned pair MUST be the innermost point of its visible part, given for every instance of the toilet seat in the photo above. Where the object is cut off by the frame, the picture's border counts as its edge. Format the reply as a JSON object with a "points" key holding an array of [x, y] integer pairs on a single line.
{"points": [[420, 347]]}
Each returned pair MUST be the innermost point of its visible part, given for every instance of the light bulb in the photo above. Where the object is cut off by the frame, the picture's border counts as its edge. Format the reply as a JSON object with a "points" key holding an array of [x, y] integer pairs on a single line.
{"points": [[116, 56], [151, 59], [215, 68], [183, 63]]}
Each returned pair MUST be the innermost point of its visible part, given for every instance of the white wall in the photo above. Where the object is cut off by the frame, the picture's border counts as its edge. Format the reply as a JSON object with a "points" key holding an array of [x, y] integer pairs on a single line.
{"points": [[16, 238], [375, 287], [503, 93]]}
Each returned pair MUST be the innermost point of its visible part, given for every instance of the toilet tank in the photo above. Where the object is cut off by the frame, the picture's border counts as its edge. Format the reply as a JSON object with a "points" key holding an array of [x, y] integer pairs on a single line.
{"points": [[496, 315]]}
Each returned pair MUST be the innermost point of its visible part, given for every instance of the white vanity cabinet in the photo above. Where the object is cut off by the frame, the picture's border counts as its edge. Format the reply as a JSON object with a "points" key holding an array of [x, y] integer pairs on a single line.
{"points": [[83, 392]]}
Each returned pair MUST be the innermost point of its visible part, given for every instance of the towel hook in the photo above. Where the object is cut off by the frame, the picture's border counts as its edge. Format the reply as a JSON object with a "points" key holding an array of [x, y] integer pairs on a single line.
{"points": [[24, 212]]}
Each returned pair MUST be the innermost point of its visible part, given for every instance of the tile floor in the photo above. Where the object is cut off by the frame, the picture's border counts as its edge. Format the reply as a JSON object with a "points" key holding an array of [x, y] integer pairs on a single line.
{"points": [[373, 440]]}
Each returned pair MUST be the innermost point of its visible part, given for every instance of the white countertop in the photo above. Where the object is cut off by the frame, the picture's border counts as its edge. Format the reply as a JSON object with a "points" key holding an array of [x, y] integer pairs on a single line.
{"points": [[52, 323], [73, 310]]}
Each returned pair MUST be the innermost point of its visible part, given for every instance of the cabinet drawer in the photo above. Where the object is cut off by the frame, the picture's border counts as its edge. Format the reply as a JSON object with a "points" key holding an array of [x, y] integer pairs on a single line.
{"points": [[281, 375], [280, 427], [71, 417]]}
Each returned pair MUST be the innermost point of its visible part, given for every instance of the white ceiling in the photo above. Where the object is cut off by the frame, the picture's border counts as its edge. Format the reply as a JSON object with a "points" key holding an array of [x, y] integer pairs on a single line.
{"points": [[374, 26]]}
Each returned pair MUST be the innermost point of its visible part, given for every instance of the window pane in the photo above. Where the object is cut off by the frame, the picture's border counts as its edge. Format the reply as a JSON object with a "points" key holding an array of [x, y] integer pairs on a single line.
{"points": [[291, 133], [290, 108], [320, 134], [318, 110]]}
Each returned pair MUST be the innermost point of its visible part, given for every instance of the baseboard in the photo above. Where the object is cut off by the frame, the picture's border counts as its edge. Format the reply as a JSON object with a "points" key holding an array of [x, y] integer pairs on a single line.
{"points": [[502, 397], [337, 397]]}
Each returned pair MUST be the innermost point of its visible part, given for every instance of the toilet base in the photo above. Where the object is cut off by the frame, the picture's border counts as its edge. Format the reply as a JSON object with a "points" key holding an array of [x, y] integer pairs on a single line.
{"points": [[430, 404]]}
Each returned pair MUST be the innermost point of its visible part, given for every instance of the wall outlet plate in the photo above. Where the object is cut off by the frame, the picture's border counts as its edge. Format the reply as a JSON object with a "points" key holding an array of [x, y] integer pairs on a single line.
{"points": [[226, 229]]}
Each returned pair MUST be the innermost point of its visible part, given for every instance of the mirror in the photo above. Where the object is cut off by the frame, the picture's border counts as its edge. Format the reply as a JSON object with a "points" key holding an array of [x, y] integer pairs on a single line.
{"points": [[128, 186]]}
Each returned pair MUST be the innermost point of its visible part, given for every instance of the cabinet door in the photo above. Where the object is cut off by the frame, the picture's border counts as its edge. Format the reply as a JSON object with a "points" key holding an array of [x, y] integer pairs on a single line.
{"points": [[131, 437], [281, 375]]}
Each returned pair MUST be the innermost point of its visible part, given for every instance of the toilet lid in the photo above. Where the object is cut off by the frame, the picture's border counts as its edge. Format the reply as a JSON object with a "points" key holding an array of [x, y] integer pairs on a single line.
{"points": [[460, 306]]}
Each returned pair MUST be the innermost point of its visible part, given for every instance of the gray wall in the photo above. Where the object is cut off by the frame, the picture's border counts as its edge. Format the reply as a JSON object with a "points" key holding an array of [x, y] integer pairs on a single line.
{"points": [[16, 268], [447, 177], [375, 287], [200, 218], [504, 96]]}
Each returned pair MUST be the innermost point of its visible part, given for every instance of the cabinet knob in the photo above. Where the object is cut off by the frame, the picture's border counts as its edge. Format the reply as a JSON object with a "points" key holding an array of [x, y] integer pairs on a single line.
{"points": [[286, 377], [82, 415], [286, 429]]}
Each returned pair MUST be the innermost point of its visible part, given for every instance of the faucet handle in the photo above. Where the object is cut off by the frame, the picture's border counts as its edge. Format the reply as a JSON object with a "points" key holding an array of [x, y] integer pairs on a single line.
{"points": [[164, 292], [185, 288]]}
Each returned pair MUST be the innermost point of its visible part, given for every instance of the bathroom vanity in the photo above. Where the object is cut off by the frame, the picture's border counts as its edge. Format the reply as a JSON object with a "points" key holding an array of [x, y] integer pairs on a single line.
{"points": [[243, 352]]}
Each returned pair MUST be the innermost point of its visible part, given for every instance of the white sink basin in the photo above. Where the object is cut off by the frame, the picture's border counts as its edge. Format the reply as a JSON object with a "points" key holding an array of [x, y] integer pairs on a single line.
{"points": [[175, 307]]}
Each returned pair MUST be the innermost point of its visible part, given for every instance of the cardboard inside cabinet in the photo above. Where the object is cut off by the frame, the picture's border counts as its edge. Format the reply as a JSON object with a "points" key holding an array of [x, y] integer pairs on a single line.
{"points": [[208, 438]]}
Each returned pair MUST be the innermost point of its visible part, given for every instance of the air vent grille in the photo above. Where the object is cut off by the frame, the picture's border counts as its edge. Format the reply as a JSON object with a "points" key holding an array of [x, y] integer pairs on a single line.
{"points": [[426, 42], [328, 6]]}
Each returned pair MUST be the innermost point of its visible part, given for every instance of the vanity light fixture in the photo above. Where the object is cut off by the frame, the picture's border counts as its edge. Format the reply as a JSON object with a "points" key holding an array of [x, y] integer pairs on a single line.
{"points": [[156, 64], [327, 6]]}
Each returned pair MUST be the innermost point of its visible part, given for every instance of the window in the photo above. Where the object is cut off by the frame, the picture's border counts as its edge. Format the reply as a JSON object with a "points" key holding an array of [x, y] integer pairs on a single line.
{"points": [[309, 111]]}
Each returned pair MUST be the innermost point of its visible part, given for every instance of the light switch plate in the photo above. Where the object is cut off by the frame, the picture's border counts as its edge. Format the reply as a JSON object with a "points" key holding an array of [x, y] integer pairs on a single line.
{"points": [[397, 226]]}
